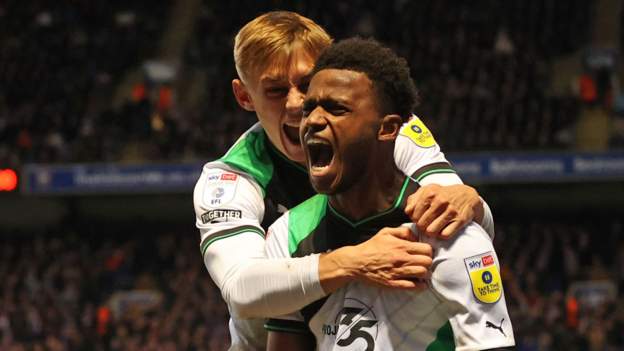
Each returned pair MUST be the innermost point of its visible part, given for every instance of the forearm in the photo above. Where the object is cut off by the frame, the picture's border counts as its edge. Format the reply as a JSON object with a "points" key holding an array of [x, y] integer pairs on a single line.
{"points": [[254, 286], [271, 287], [337, 268], [391, 258]]}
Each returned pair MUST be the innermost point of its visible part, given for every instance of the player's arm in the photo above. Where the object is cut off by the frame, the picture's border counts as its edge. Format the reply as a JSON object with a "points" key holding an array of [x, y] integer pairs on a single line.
{"points": [[443, 210], [466, 275], [443, 205], [232, 246], [392, 258]]}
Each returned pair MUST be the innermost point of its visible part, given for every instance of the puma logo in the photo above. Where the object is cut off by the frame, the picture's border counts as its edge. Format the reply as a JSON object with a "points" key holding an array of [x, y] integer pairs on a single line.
{"points": [[489, 324]]}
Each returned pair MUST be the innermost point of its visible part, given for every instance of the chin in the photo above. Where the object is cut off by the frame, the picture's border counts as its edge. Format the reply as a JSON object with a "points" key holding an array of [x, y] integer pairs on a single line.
{"points": [[323, 186], [293, 152], [297, 156]]}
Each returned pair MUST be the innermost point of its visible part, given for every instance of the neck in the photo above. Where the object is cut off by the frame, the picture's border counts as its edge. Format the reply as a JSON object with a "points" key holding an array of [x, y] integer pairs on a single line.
{"points": [[376, 191]]}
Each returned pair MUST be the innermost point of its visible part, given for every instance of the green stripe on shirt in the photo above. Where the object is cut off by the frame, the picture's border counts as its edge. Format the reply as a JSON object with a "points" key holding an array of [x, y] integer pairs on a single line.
{"points": [[228, 233], [434, 168], [304, 218], [250, 155], [445, 339]]}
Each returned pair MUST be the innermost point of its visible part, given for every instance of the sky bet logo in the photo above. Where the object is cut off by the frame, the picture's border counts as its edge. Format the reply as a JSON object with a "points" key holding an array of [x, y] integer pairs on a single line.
{"points": [[484, 262], [487, 260], [474, 264]]}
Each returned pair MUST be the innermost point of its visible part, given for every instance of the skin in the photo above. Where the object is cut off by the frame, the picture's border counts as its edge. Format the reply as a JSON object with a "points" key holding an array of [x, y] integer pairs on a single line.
{"points": [[328, 112], [276, 95], [442, 211], [339, 109]]}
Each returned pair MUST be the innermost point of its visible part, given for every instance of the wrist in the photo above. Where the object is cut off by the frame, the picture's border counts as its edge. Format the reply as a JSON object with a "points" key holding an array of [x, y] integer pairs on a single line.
{"points": [[337, 268]]}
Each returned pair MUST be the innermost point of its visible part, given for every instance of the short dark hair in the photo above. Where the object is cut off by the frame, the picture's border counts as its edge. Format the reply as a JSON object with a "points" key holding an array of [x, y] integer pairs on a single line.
{"points": [[389, 73]]}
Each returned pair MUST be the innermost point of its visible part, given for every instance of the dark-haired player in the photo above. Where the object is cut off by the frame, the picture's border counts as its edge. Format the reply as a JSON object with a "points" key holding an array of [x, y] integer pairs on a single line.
{"points": [[238, 196], [360, 95]]}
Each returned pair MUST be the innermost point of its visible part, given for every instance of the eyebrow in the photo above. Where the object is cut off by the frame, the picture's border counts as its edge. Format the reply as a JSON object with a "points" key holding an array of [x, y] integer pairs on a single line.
{"points": [[325, 102], [279, 79], [272, 80], [309, 104]]}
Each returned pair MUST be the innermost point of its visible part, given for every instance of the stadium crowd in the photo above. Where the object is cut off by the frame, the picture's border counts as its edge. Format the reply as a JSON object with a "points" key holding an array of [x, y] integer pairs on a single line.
{"points": [[58, 59], [61, 291], [544, 262], [484, 71]]}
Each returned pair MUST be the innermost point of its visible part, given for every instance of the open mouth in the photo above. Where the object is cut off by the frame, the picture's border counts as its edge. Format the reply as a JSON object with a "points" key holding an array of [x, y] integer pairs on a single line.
{"points": [[321, 154], [291, 133]]}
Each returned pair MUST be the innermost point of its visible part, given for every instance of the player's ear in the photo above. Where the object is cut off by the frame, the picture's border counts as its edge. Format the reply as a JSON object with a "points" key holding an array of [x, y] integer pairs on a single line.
{"points": [[242, 95], [389, 128]]}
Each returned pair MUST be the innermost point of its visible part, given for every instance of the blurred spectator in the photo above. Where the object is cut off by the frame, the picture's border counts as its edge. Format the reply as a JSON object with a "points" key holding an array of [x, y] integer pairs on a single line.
{"points": [[58, 59], [541, 261], [59, 293]]}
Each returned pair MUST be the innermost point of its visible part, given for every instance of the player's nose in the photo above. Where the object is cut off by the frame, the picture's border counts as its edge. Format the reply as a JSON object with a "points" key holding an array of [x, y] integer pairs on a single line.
{"points": [[316, 119], [294, 102]]}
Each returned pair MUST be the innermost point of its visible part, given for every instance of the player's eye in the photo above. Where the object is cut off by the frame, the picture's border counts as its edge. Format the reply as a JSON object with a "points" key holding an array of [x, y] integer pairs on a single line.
{"points": [[276, 92], [335, 108], [303, 87], [308, 107], [338, 111]]}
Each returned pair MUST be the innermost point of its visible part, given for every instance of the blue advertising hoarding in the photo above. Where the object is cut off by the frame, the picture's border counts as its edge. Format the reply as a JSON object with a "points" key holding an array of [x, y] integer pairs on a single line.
{"points": [[181, 177], [109, 178], [530, 168]]}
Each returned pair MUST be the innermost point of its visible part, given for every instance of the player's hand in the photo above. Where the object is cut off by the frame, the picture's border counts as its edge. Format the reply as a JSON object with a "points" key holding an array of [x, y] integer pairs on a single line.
{"points": [[391, 258], [443, 210]]}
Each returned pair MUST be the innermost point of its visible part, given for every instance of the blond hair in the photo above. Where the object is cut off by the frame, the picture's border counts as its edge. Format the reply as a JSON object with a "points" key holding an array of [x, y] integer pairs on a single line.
{"points": [[274, 35]]}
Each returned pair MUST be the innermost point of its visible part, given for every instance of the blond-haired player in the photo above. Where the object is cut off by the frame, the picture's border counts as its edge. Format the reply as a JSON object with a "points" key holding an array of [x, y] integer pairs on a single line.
{"points": [[238, 196]]}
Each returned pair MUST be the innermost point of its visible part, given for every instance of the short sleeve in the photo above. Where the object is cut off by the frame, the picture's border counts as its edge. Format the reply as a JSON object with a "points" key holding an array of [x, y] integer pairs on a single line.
{"points": [[226, 204], [466, 274], [417, 154]]}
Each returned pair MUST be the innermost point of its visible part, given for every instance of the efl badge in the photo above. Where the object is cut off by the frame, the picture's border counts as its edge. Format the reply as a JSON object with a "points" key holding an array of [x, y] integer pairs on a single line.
{"points": [[484, 277], [220, 188], [416, 130]]}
